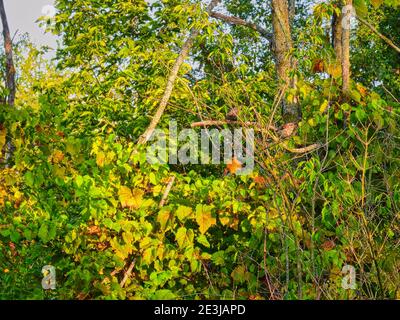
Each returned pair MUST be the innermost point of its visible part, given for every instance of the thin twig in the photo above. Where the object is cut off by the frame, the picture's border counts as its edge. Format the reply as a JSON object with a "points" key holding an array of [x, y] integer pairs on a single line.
{"points": [[127, 273], [380, 35], [166, 192]]}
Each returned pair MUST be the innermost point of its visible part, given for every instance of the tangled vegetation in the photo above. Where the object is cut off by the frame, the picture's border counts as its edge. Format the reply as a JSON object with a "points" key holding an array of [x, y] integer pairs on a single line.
{"points": [[77, 192]]}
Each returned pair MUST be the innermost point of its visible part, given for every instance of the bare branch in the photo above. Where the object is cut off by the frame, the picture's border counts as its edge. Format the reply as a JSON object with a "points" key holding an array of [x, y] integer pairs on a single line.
{"points": [[211, 123], [380, 35], [240, 22], [346, 54], [127, 273], [171, 80], [303, 149], [166, 192]]}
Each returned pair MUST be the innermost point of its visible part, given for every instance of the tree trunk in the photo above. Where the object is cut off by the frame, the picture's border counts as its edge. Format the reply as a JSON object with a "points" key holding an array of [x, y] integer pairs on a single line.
{"points": [[10, 69], [337, 36], [292, 10], [283, 46], [10, 76], [346, 51]]}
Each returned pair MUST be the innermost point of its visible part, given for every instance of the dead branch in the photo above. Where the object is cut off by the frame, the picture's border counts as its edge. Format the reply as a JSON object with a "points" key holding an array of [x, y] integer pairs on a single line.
{"points": [[166, 192], [127, 273], [276, 140], [171, 80], [380, 35], [307, 149], [240, 22], [211, 123]]}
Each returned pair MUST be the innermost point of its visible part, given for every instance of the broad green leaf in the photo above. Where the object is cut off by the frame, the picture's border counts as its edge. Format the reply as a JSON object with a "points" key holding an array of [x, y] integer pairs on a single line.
{"points": [[163, 294], [43, 233], [202, 239]]}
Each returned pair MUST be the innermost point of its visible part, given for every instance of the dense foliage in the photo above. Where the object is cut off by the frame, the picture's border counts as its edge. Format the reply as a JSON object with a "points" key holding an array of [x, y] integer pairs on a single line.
{"points": [[80, 195]]}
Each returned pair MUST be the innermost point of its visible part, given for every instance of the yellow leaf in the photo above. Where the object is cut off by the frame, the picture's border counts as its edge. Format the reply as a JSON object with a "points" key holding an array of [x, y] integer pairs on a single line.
{"points": [[3, 134], [377, 3], [183, 212], [57, 156], [100, 159], [204, 218], [160, 251], [334, 69], [312, 122], [147, 255], [130, 198], [324, 106], [224, 220], [163, 217], [184, 237]]}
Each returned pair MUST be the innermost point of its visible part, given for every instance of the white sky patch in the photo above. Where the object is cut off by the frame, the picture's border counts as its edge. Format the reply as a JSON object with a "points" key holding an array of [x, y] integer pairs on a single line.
{"points": [[22, 16]]}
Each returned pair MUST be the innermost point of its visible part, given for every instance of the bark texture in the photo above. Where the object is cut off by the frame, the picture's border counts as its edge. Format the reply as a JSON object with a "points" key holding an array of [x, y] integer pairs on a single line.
{"points": [[283, 46], [10, 69], [346, 52]]}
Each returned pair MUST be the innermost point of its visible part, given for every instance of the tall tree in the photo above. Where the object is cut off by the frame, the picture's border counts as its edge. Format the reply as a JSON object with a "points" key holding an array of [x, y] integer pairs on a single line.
{"points": [[337, 35], [283, 46], [10, 69], [348, 10]]}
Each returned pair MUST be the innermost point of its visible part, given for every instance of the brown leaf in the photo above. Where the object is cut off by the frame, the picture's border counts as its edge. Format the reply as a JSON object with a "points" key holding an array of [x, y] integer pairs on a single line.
{"points": [[93, 230], [328, 245], [234, 165], [318, 66]]}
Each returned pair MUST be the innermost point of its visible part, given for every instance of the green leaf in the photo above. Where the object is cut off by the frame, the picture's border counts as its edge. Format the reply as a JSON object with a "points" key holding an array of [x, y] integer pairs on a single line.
{"points": [[218, 258], [361, 7], [163, 294], [360, 114], [202, 239], [43, 233], [29, 179]]}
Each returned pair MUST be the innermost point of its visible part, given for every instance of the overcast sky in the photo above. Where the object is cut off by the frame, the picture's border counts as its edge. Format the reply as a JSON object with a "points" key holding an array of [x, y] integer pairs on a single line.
{"points": [[22, 15]]}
